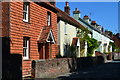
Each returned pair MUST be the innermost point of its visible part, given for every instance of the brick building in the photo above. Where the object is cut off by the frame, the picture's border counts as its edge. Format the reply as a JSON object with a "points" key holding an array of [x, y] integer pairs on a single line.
{"points": [[32, 31], [116, 39]]}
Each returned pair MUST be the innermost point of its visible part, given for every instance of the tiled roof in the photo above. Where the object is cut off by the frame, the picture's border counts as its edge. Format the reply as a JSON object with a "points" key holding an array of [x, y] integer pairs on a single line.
{"points": [[61, 14], [48, 6], [65, 17], [44, 34]]}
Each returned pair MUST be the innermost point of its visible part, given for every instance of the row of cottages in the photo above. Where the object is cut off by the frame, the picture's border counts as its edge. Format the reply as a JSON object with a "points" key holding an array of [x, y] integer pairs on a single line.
{"points": [[67, 31], [29, 29], [97, 32], [37, 30]]}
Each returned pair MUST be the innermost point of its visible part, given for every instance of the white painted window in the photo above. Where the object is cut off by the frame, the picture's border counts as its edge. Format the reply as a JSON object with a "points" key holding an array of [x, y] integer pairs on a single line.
{"points": [[65, 28], [25, 11], [26, 48], [48, 18]]}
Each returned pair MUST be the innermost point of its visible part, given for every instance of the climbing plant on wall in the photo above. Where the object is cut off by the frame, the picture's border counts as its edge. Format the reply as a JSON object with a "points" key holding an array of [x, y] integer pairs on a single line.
{"points": [[82, 34], [91, 42], [92, 45]]}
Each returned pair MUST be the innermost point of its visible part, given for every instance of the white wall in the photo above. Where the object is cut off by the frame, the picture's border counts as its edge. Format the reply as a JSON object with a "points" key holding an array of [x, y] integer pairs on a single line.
{"points": [[103, 39], [65, 38]]}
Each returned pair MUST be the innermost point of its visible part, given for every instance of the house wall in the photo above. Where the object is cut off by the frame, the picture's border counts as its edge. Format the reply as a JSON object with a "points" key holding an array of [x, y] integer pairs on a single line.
{"points": [[65, 39], [32, 29], [103, 39], [98, 36], [5, 19], [116, 40], [51, 68]]}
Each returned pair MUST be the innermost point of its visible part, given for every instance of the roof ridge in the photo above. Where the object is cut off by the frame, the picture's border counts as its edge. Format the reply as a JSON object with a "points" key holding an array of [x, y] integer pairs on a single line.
{"points": [[71, 19]]}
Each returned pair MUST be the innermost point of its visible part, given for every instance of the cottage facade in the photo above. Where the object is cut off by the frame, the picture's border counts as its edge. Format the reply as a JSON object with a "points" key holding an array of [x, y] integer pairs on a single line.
{"points": [[67, 31], [32, 30], [97, 33]]}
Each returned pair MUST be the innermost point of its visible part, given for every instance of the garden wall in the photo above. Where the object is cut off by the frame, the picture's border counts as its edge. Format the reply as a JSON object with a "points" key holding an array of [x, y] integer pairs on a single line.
{"points": [[53, 67]]}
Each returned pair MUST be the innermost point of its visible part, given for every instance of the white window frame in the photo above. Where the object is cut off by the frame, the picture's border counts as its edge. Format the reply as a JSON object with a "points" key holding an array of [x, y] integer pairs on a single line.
{"points": [[26, 11], [26, 40], [48, 18], [65, 28]]}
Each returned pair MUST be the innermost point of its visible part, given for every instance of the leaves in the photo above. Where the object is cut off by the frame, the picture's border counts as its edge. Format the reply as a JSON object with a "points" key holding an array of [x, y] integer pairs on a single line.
{"points": [[91, 42]]}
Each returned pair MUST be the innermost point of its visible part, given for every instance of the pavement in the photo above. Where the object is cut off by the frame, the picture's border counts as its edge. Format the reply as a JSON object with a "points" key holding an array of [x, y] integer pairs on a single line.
{"points": [[107, 71]]}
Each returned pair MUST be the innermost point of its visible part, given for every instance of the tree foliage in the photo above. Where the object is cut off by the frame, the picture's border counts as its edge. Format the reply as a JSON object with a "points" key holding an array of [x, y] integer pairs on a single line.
{"points": [[92, 45], [113, 46], [91, 42]]}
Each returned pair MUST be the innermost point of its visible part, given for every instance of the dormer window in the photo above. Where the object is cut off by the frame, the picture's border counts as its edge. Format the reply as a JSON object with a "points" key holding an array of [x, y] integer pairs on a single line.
{"points": [[48, 19], [25, 11]]}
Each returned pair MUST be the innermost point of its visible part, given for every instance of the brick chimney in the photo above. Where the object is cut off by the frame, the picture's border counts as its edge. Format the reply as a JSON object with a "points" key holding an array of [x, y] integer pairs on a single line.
{"points": [[67, 8], [93, 23], [99, 27], [86, 19], [76, 13], [102, 29]]}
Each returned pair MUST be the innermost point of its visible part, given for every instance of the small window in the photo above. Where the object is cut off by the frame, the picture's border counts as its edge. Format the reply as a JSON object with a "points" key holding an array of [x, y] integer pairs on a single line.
{"points": [[26, 41], [25, 11], [65, 28], [48, 19]]}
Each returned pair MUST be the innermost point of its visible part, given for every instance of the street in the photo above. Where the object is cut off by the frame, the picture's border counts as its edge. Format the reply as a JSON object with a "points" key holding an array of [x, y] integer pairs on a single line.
{"points": [[109, 70]]}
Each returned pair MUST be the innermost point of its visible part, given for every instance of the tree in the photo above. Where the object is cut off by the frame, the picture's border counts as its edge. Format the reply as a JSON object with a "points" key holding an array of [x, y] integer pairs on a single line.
{"points": [[91, 42]]}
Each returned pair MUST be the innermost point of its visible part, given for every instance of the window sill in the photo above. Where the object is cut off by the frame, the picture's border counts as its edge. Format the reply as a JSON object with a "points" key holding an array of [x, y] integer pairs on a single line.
{"points": [[26, 59], [26, 21]]}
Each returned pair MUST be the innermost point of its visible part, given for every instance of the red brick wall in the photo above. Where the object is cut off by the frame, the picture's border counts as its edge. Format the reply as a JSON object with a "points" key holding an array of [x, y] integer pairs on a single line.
{"points": [[116, 40], [5, 19], [19, 29]]}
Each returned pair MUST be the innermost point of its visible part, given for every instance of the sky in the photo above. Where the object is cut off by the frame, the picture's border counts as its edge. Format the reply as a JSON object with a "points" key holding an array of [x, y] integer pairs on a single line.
{"points": [[104, 13]]}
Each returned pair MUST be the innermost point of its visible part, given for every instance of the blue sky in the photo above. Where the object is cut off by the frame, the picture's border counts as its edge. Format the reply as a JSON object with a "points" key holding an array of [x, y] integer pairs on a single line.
{"points": [[104, 13]]}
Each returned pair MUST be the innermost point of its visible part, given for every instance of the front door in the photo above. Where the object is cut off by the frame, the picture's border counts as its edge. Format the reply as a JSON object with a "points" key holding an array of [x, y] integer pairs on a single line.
{"points": [[45, 50]]}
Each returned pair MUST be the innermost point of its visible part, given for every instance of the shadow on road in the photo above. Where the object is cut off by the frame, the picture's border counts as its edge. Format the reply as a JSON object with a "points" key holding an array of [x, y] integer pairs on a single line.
{"points": [[110, 70]]}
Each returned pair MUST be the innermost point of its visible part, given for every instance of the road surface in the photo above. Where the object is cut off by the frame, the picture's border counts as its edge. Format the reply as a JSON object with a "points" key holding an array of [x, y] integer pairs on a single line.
{"points": [[107, 71]]}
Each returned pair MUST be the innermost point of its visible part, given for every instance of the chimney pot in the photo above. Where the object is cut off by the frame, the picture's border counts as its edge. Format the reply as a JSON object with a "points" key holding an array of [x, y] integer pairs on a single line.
{"points": [[76, 14], [94, 22], [86, 16], [86, 19], [76, 9], [67, 4], [67, 8]]}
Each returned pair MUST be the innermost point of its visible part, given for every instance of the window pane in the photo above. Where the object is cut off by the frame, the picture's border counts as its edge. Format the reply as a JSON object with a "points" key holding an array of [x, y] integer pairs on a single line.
{"points": [[25, 47], [24, 52], [25, 43], [49, 19], [25, 11], [24, 15], [65, 30]]}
